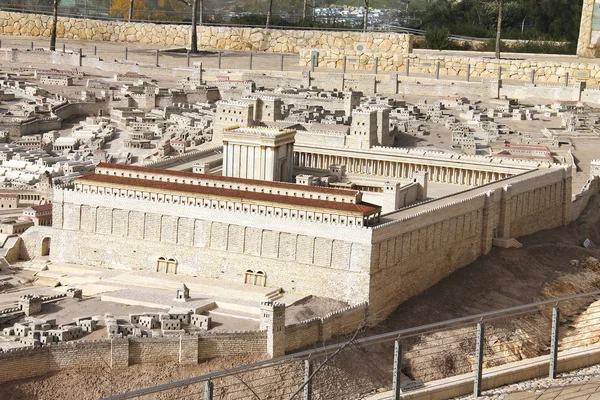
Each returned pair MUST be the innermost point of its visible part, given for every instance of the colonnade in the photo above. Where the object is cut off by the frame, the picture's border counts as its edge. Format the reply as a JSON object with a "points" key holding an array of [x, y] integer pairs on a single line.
{"points": [[29, 197], [458, 175]]}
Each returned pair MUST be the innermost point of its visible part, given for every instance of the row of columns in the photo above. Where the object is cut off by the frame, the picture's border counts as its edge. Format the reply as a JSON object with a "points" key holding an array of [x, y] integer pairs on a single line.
{"points": [[398, 169], [29, 196]]}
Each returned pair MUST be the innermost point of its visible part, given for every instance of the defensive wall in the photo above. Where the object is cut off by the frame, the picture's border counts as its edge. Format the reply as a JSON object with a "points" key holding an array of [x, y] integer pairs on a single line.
{"points": [[209, 37], [185, 349], [122, 352]]}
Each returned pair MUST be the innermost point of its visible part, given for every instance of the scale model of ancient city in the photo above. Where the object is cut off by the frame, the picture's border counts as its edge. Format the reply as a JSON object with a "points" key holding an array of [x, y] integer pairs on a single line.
{"points": [[284, 190]]}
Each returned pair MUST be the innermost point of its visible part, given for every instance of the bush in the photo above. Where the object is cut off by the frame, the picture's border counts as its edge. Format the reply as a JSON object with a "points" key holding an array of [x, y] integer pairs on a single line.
{"points": [[437, 39], [538, 47]]}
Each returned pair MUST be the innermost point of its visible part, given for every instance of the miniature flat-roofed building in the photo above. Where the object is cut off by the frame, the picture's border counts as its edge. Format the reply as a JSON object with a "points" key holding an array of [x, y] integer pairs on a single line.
{"points": [[258, 153], [39, 215], [9, 201]]}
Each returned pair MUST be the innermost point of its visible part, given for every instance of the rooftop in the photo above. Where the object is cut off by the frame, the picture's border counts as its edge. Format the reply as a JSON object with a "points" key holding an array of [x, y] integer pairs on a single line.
{"points": [[207, 191], [182, 174]]}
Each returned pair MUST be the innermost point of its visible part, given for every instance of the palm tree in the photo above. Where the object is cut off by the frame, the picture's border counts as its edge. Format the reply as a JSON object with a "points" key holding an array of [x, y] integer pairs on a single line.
{"points": [[499, 28], [54, 25]]}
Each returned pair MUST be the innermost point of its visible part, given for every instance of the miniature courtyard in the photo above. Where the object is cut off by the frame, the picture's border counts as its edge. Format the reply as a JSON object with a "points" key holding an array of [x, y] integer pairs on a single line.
{"points": [[86, 303]]}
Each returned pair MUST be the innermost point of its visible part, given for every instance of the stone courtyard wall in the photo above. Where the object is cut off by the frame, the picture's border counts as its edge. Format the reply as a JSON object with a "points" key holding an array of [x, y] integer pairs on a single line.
{"points": [[209, 37]]}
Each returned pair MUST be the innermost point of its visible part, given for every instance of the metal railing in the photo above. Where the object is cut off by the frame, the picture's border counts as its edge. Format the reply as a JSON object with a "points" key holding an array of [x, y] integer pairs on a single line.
{"points": [[357, 366]]}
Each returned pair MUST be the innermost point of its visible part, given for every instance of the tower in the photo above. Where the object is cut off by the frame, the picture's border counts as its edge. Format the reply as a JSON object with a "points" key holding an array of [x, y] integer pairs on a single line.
{"points": [[258, 153], [351, 101], [363, 131], [383, 127], [391, 200], [32, 304], [421, 177], [272, 319], [45, 188], [231, 114]]}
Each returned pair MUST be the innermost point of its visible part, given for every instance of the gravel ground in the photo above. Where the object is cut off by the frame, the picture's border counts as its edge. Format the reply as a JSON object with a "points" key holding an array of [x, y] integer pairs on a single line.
{"points": [[585, 379]]}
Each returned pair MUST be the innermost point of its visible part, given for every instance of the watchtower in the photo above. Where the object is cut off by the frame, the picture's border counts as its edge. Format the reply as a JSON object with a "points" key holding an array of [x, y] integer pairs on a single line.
{"points": [[272, 319]]}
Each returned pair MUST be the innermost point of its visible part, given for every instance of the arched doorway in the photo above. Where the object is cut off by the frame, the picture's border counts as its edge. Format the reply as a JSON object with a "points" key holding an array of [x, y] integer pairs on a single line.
{"points": [[260, 279], [45, 246], [171, 266], [161, 265]]}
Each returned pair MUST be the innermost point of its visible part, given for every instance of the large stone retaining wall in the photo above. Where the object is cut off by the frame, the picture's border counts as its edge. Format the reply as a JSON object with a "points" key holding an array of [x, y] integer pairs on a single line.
{"points": [[213, 37]]}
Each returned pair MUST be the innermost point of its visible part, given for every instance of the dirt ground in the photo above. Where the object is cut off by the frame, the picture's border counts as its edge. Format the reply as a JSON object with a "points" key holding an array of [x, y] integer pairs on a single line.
{"points": [[506, 277]]}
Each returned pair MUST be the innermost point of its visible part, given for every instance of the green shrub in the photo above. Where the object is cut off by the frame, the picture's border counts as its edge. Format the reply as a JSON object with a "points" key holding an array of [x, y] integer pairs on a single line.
{"points": [[437, 39]]}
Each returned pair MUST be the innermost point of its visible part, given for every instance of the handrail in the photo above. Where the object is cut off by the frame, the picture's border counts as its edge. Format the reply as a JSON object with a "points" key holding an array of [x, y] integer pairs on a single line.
{"points": [[384, 337]]}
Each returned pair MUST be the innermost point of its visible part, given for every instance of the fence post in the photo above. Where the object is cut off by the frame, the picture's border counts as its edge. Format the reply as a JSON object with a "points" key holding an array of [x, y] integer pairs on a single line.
{"points": [[307, 381], [468, 72], [533, 77], [376, 65], [554, 342], [407, 66], [80, 57], [0, 44], [31, 45], [345, 63], [220, 55], [567, 79], [95, 51], [479, 359], [281, 62], [312, 64], [157, 54], [250, 63], [188, 58], [499, 73], [208, 390], [126, 51], [437, 70], [64, 48], [396, 388]]}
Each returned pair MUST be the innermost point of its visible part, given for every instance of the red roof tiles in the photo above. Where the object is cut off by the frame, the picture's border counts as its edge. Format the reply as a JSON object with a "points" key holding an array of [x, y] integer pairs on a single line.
{"points": [[108, 180], [282, 185]]}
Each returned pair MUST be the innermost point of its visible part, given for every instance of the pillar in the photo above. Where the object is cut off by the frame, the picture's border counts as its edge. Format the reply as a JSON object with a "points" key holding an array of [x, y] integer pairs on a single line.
{"points": [[588, 44]]}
